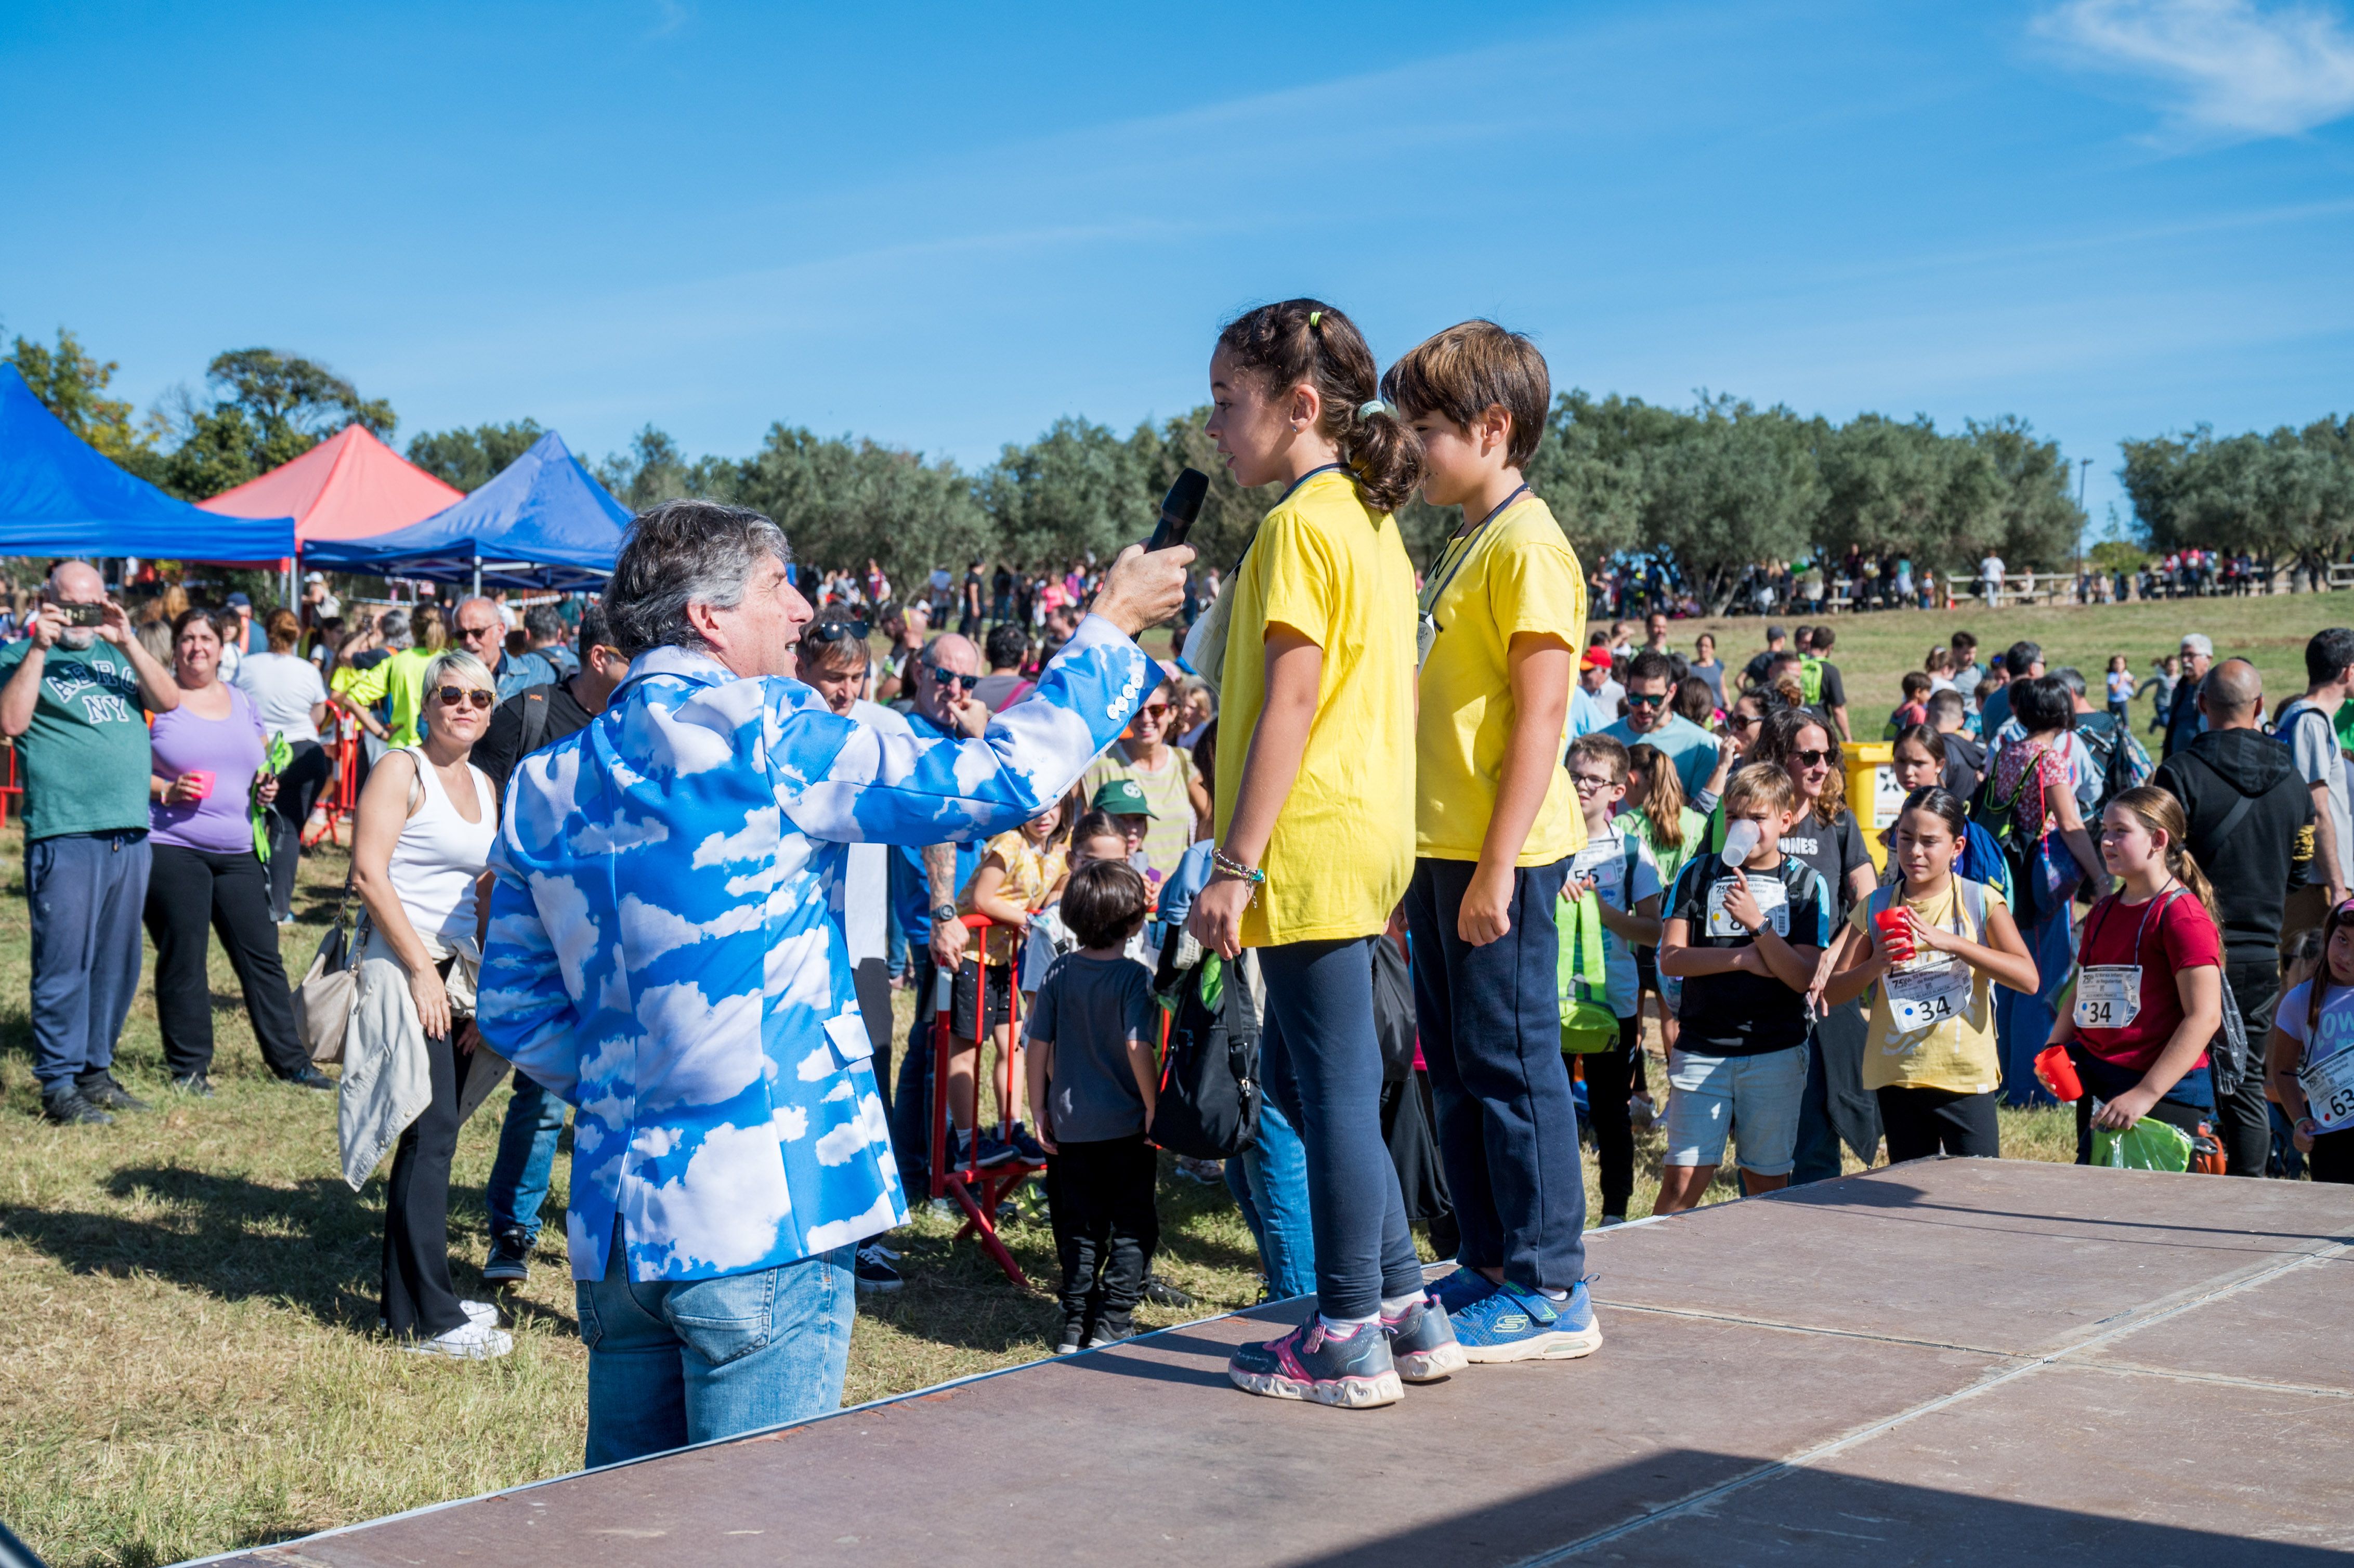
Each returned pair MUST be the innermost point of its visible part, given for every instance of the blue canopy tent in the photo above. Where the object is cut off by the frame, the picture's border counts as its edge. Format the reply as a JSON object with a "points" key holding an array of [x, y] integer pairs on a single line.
{"points": [[542, 523], [59, 496]]}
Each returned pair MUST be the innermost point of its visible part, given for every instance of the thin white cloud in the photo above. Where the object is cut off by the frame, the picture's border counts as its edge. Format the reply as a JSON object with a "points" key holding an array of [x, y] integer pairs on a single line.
{"points": [[2232, 68]]}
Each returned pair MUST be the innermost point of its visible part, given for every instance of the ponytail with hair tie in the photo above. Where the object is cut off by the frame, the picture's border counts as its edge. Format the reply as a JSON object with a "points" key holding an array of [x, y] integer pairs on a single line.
{"points": [[1306, 341]]}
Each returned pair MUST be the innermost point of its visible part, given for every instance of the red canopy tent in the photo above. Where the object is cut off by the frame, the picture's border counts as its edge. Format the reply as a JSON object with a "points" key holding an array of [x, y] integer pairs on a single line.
{"points": [[349, 486]]}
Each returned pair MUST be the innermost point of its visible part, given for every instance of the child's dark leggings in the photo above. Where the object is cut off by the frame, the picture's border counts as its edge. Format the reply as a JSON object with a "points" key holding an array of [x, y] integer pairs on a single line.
{"points": [[1610, 1078], [1099, 1196]]}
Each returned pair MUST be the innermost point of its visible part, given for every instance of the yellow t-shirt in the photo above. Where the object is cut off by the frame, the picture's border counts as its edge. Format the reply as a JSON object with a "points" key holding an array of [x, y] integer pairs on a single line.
{"points": [[1029, 873], [1516, 575], [1328, 566], [402, 677], [1957, 1054]]}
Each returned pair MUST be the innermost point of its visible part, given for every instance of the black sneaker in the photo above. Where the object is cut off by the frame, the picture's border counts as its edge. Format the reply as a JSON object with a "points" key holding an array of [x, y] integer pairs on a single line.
{"points": [[1110, 1330], [995, 1152], [1160, 1292], [100, 1090], [194, 1085], [873, 1271], [73, 1109], [1030, 1151], [310, 1079], [510, 1259]]}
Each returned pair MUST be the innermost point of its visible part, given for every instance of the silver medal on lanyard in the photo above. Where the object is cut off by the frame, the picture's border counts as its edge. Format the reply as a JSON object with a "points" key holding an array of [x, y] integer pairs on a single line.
{"points": [[1426, 631]]}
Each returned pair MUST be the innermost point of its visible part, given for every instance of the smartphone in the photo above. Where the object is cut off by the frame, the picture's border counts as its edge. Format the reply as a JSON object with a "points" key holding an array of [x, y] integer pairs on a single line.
{"points": [[1179, 508], [84, 614]]}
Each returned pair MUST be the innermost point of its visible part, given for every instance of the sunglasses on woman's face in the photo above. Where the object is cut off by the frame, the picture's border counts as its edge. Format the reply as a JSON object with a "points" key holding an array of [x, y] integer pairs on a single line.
{"points": [[472, 696], [1811, 758]]}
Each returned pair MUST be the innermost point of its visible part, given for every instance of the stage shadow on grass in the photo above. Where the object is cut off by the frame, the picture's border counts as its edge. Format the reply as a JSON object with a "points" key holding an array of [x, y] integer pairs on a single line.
{"points": [[1655, 1510], [315, 1244]]}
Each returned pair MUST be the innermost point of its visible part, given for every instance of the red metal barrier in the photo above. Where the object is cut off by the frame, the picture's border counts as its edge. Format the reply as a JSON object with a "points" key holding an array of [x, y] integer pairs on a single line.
{"points": [[335, 807], [976, 1191]]}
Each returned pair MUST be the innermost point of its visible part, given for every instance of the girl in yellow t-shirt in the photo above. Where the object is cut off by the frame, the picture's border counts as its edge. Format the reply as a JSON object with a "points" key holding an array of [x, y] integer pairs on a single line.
{"points": [[1931, 1057], [1018, 874], [1314, 801]]}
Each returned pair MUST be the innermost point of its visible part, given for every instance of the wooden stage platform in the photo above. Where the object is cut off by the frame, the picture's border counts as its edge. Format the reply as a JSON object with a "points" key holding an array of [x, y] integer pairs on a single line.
{"points": [[1965, 1361]]}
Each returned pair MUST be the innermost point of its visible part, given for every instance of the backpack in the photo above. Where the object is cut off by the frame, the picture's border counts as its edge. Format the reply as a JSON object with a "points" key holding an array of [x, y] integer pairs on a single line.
{"points": [[1982, 860], [1810, 681], [1588, 1023], [1998, 816], [2122, 765], [1393, 1011], [1208, 1103]]}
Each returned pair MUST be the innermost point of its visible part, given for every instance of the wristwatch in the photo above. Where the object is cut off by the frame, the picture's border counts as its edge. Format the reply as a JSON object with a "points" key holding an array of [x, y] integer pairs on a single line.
{"points": [[943, 913]]}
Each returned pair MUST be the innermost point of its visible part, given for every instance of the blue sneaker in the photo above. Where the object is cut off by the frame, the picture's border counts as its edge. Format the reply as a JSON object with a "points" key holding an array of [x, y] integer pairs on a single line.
{"points": [[1355, 1373], [1513, 1325], [1422, 1343], [1459, 1290]]}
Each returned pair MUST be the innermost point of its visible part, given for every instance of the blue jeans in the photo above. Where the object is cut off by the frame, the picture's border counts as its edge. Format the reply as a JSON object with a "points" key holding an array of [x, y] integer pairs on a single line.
{"points": [[674, 1361], [2023, 1022], [1269, 1182], [519, 1176], [87, 892], [1490, 1019], [1322, 1063]]}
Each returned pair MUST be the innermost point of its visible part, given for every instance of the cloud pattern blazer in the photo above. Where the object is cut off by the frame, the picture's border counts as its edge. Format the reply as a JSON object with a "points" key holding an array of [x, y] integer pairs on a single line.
{"points": [[666, 949]]}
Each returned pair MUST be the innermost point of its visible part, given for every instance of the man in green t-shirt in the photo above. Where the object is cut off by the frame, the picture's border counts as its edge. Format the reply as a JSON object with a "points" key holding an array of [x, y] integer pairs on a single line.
{"points": [[71, 695]]}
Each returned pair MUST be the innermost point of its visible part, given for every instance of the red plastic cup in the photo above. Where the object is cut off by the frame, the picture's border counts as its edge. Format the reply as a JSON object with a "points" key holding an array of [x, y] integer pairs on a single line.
{"points": [[2059, 1074], [203, 780], [1895, 934]]}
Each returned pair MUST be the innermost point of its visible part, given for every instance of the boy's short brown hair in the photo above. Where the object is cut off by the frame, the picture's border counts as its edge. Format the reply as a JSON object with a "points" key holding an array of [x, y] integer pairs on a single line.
{"points": [[1766, 784], [1607, 750], [1104, 903], [1462, 373]]}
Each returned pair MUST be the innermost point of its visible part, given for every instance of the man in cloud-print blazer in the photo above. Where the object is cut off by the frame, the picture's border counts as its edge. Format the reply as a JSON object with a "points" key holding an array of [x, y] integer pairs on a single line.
{"points": [[666, 954]]}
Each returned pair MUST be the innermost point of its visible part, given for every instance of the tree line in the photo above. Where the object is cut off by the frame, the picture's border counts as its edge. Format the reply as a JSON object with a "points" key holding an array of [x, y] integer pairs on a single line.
{"points": [[2283, 496], [1710, 490]]}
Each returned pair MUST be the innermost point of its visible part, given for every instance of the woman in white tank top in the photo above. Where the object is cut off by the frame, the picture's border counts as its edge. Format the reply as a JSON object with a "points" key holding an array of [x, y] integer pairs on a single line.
{"points": [[413, 1066]]}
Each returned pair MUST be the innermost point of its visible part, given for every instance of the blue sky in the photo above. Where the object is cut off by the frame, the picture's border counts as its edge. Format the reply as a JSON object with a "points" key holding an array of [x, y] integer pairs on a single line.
{"points": [[946, 226]]}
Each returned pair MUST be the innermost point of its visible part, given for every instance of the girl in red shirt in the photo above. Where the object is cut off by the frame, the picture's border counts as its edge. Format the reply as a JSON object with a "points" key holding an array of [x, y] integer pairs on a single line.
{"points": [[2149, 986]]}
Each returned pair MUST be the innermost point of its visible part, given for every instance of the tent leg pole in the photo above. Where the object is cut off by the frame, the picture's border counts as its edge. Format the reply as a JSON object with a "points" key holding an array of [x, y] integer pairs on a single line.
{"points": [[478, 579]]}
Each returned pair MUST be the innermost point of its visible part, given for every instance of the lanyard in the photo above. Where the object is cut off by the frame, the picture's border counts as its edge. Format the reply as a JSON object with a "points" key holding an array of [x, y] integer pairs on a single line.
{"points": [[2164, 896], [1303, 479], [1431, 596]]}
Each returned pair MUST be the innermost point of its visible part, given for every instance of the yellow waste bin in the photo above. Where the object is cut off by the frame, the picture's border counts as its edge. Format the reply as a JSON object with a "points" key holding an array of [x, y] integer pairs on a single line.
{"points": [[1873, 792]]}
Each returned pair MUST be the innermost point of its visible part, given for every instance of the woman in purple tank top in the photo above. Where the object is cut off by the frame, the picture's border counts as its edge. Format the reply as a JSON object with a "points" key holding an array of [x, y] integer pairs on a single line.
{"points": [[208, 771]]}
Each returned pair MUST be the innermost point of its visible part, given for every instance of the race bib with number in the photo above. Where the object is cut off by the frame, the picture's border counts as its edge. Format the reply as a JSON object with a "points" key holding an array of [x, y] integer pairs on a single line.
{"points": [[1925, 997], [2328, 1088], [1605, 864], [1773, 902], [2108, 996]]}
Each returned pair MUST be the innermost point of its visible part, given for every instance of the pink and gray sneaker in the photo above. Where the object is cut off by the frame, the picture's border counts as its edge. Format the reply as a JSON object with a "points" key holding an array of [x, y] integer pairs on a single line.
{"points": [[1422, 1342], [1355, 1373]]}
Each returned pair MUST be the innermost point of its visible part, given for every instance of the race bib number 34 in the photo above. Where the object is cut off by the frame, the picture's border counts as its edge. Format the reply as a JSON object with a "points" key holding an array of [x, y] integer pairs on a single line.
{"points": [[1924, 998], [2108, 996]]}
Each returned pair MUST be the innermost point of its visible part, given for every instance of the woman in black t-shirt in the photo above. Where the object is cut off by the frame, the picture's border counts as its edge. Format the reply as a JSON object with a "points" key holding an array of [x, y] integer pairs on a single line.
{"points": [[1826, 837]]}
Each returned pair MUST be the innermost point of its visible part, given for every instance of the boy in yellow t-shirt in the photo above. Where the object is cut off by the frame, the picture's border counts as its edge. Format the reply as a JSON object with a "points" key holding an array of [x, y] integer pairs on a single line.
{"points": [[1496, 821]]}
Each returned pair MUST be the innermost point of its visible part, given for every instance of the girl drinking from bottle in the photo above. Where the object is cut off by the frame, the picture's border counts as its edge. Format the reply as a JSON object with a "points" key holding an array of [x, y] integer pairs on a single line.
{"points": [[2309, 1055], [1313, 646], [1931, 947], [2149, 989]]}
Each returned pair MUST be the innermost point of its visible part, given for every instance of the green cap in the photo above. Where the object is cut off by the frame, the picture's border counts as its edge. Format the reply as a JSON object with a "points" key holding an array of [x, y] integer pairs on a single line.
{"points": [[1123, 798]]}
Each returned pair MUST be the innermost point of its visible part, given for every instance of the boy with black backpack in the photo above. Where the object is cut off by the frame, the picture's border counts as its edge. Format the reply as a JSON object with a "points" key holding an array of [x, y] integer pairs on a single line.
{"points": [[1093, 1080]]}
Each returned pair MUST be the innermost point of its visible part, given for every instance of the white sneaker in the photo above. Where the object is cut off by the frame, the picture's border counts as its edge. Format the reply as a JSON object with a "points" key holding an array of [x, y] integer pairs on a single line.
{"points": [[471, 1341], [481, 1312]]}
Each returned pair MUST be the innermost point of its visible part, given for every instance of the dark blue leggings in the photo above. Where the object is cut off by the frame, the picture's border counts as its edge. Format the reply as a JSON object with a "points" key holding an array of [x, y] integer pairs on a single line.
{"points": [[1322, 1063]]}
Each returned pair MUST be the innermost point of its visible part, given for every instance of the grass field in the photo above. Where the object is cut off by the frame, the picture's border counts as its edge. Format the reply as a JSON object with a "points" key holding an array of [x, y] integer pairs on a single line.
{"points": [[188, 1298]]}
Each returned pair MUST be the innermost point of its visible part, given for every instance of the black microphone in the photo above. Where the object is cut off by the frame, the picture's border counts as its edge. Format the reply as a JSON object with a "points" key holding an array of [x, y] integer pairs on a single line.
{"points": [[1179, 508]]}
